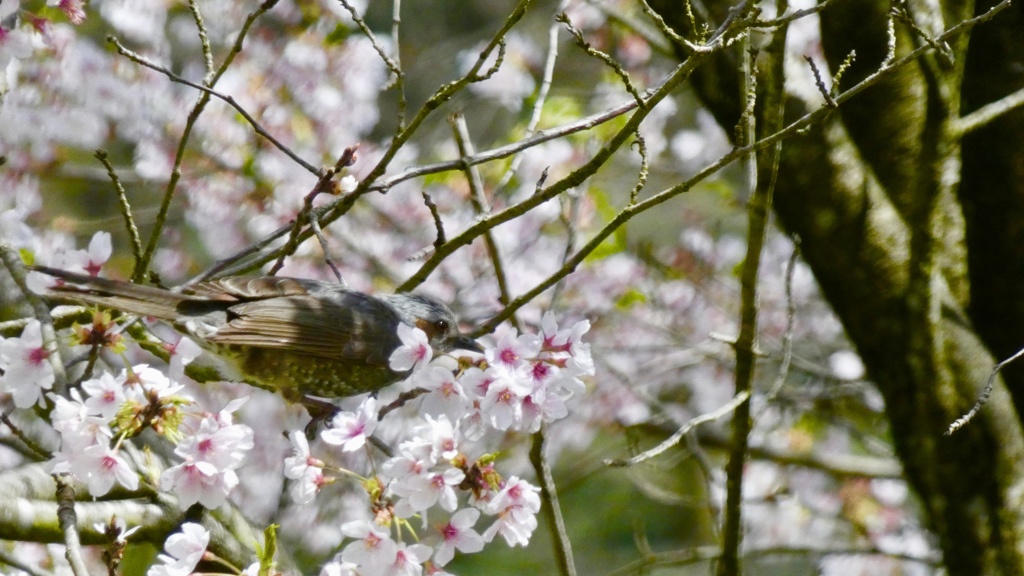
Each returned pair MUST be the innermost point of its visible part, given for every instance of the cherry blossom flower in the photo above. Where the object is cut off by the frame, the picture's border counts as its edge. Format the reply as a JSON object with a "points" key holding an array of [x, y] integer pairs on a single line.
{"points": [[415, 351], [413, 459], [446, 395], [105, 395], [308, 471], [198, 482], [300, 460], [373, 549], [458, 534], [423, 491], [27, 372], [408, 560], [92, 259], [220, 445], [211, 455], [443, 437], [184, 551], [306, 486], [516, 506], [101, 466], [350, 430], [503, 402], [512, 350], [67, 413]]}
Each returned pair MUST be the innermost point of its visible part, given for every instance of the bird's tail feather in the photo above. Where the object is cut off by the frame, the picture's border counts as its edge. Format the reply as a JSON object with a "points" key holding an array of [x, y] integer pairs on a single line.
{"points": [[124, 296]]}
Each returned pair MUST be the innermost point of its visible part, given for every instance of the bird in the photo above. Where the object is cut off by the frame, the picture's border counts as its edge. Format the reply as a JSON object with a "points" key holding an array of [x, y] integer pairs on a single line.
{"points": [[301, 338]]}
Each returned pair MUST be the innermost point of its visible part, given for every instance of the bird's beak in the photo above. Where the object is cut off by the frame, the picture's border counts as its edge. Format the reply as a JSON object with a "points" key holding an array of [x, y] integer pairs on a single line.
{"points": [[463, 342]]}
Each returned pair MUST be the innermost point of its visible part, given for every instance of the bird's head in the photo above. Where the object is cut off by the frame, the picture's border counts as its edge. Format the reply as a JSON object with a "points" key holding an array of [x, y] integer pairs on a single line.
{"points": [[436, 320]]}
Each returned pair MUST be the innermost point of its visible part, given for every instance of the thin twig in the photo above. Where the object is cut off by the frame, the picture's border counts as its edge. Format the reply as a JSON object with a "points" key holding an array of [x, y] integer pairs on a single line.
{"points": [[481, 206], [838, 76], [439, 239], [126, 209], [667, 30], [890, 45], [825, 93], [942, 49], [323, 184], [203, 40], [396, 26], [608, 60], [314, 225], [985, 393], [393, 63], [707, 469], [257, 127], [678, 435], [787, 336], [641, 177], [542, 96], [787, 18], [568, 219], [69, 525], [142, 264], [989, 112], [674, 558], [228, 264], [763, 174], [402, 400], [552, 510]]}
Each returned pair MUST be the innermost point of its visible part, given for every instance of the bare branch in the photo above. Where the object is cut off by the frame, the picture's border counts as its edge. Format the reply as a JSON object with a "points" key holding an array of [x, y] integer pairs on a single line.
{"points": [[983, 398], [69, 526], [126, 209], [989, 112], [552, 510], [678, 435], [138, 59]]}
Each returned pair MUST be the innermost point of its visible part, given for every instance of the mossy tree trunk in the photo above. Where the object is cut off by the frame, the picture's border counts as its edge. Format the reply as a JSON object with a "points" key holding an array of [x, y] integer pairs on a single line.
{"points": [[915, 232]]}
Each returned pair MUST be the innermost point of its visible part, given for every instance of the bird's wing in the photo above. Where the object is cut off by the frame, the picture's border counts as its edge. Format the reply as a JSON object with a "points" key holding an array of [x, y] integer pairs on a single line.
{"points": [[243, 289], [349, 326]]}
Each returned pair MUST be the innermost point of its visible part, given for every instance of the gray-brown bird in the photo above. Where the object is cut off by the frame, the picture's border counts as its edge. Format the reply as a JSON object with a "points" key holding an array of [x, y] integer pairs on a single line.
{"points": [[297, 337]]}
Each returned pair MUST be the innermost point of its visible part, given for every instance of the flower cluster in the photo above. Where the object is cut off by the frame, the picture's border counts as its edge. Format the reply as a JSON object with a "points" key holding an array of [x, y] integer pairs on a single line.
{"points": [[87, 426], [522, 382], [211, 454], [117, 407]]}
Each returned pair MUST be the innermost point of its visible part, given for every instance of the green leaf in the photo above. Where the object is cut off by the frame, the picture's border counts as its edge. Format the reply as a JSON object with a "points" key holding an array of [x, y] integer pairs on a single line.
{"points": [[338, 35], [616, 241], [267, 552], [629, 298], [27, 257]]}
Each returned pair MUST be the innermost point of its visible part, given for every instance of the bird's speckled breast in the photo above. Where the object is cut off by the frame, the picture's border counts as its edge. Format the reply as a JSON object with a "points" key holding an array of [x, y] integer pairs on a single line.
{"points": [[296, 375]]}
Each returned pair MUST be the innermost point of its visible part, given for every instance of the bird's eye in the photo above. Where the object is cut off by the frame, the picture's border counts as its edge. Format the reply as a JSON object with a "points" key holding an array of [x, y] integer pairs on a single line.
{"points": [[441, 326]]}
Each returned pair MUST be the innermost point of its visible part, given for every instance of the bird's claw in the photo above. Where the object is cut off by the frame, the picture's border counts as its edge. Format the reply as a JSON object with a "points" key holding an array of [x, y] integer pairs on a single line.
{"points": [[320, 412]]}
